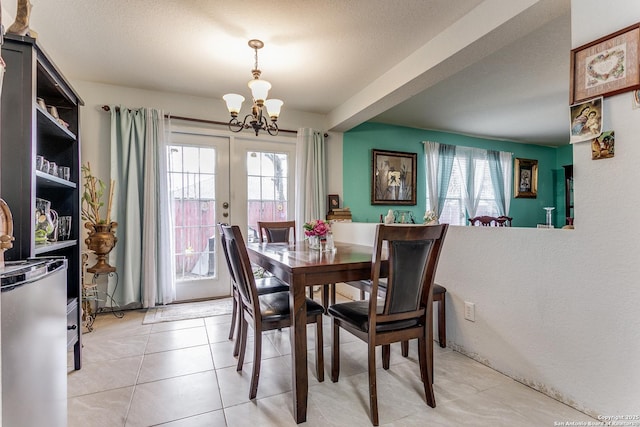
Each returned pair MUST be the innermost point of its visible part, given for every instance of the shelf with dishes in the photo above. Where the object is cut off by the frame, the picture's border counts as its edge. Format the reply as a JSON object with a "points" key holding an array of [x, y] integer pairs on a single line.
{"points": [[52, 181], [51, 125], [40, 143]]}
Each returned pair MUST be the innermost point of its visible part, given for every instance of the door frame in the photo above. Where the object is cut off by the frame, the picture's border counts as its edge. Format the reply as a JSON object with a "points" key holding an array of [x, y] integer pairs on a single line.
{"points": [[238, 146]]}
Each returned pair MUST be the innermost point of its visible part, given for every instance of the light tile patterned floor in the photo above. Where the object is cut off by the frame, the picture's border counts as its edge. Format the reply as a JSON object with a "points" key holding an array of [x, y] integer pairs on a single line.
{"points": [[182, 374]]}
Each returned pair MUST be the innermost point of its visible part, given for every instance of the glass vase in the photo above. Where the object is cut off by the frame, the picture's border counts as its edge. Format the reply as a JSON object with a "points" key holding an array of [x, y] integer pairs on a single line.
{"points": [[314, 242]]}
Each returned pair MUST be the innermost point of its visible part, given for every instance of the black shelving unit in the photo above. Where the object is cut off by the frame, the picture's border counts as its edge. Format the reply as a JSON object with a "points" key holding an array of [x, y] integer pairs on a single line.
{"points": [[29, 130]]}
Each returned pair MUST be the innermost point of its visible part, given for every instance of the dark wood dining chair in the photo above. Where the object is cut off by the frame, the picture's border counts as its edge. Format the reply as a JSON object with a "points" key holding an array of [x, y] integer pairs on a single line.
{"points": [[276, 231], [405, 310], [503, 221], [279, 232], [263, 312], [264, 286], [439, 296], [491, 221]]}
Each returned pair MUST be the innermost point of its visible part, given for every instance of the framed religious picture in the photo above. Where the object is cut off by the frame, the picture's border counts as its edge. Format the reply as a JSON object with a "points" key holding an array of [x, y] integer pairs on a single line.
{"points": [[334, 201], [606, 66], [393, 178], [586, 120], [525, 179], [602, 147]]}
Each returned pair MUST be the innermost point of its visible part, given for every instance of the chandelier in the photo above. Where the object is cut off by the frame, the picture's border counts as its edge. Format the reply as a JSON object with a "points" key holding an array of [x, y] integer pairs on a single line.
{"points": [[261, 105]]}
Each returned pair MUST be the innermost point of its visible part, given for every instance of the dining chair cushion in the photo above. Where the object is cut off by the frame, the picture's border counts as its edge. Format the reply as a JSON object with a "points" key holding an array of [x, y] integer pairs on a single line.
{"points": [[268, 285], [275, 307], [357, 314]]}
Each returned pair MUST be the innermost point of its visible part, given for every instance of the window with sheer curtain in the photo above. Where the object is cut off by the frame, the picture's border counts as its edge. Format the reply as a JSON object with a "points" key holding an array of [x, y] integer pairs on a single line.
{"points": [[476, 185]]}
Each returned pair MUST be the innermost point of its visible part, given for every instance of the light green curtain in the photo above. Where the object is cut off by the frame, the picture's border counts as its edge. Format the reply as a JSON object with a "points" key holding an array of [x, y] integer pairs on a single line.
{"points": [[439, 164], [311, 177], [468, 159], [141, 206], [447, 154], [500, 168]]}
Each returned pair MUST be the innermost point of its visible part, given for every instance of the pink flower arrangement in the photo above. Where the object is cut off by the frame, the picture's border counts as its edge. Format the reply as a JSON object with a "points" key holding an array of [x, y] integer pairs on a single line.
{"points": [[317, 227]]}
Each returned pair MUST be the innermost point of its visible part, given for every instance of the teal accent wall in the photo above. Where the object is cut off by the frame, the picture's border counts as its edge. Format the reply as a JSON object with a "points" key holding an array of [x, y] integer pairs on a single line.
{"points": [[359, 142]]}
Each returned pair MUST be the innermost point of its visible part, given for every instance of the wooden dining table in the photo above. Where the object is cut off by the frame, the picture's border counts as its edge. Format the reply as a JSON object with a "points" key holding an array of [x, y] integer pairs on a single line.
{"points": [[300, 266]]}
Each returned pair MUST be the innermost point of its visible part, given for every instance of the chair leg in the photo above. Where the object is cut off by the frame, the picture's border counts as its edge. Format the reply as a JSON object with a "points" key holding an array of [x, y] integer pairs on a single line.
{"points": [[386, 356], [332, 290], [325, 297], [373, 390], [319, 349], [405, 348], [240, 322], [234, 310], [442, 325], [257, 358], [335, 351], [425, 372], [430, 348], [243, 341], [310, 292]]}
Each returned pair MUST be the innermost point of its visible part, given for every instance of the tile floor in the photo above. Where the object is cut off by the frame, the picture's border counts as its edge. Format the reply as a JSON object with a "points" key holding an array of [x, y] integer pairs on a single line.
{"points": [[182, 374]]}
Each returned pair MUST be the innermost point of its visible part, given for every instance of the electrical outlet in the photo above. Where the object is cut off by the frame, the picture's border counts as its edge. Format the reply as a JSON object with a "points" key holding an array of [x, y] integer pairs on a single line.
{"points": [[470, 311]]}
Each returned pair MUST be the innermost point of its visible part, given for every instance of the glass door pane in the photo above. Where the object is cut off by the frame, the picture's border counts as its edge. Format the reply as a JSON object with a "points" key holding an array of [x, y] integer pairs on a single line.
{"points": [[267, 189]]}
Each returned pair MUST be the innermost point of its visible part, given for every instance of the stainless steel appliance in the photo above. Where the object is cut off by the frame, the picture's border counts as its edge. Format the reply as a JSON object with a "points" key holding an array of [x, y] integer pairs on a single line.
{"points": [[34, 342]]}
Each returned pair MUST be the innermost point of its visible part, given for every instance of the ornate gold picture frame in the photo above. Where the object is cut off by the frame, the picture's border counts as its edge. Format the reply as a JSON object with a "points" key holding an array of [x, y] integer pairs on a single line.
{"points": [[525, 179]]}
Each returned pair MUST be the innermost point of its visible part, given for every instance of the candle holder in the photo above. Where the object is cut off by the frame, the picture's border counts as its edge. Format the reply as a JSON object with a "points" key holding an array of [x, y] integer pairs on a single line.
{"points": [[549, 210]]}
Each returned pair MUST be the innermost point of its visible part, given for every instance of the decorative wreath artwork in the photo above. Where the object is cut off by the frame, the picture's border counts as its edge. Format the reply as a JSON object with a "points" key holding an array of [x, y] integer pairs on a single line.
{"points": [[607, 66]]}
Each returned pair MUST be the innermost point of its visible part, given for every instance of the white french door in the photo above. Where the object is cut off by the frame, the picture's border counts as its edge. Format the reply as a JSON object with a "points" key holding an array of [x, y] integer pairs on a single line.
{"points": [[218, 178], [199, 179]]}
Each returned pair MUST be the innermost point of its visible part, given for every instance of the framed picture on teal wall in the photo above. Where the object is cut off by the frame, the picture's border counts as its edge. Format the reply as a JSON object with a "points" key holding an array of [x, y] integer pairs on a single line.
{"points": [[525, 178], [393, 178]]}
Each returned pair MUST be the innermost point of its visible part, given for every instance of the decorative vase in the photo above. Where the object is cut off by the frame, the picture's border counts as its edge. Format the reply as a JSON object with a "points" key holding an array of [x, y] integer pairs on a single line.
{"points": [[314, 242], [101, 241], [390, 218]]}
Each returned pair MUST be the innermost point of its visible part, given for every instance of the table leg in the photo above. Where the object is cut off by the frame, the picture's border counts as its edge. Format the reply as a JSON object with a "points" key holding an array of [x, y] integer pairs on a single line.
{"points": [[300, 380]]}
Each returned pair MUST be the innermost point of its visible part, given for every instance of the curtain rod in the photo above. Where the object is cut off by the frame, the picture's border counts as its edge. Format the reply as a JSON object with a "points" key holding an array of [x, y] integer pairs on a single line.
{"points": [[212, 122]]}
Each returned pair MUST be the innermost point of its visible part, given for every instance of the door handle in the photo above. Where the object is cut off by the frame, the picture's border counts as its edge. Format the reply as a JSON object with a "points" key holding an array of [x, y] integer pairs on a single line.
{"points": [[225, 214], [225, 205]]}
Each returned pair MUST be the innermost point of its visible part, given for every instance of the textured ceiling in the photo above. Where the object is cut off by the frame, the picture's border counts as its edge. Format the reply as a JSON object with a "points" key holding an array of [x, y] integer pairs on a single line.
{"points": [[520, 93], [317, 55]]}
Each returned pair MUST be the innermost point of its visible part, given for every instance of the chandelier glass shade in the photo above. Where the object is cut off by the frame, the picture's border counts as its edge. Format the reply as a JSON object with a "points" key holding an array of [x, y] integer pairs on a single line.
{"points": [[261, 108]]}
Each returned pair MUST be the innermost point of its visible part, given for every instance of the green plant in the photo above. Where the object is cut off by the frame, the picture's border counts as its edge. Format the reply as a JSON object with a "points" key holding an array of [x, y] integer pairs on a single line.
{"points": [[92, 197]]}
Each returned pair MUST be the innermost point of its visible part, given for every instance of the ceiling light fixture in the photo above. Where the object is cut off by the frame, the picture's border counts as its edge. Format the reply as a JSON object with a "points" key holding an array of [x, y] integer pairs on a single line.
{"points": [[259, 91]]}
